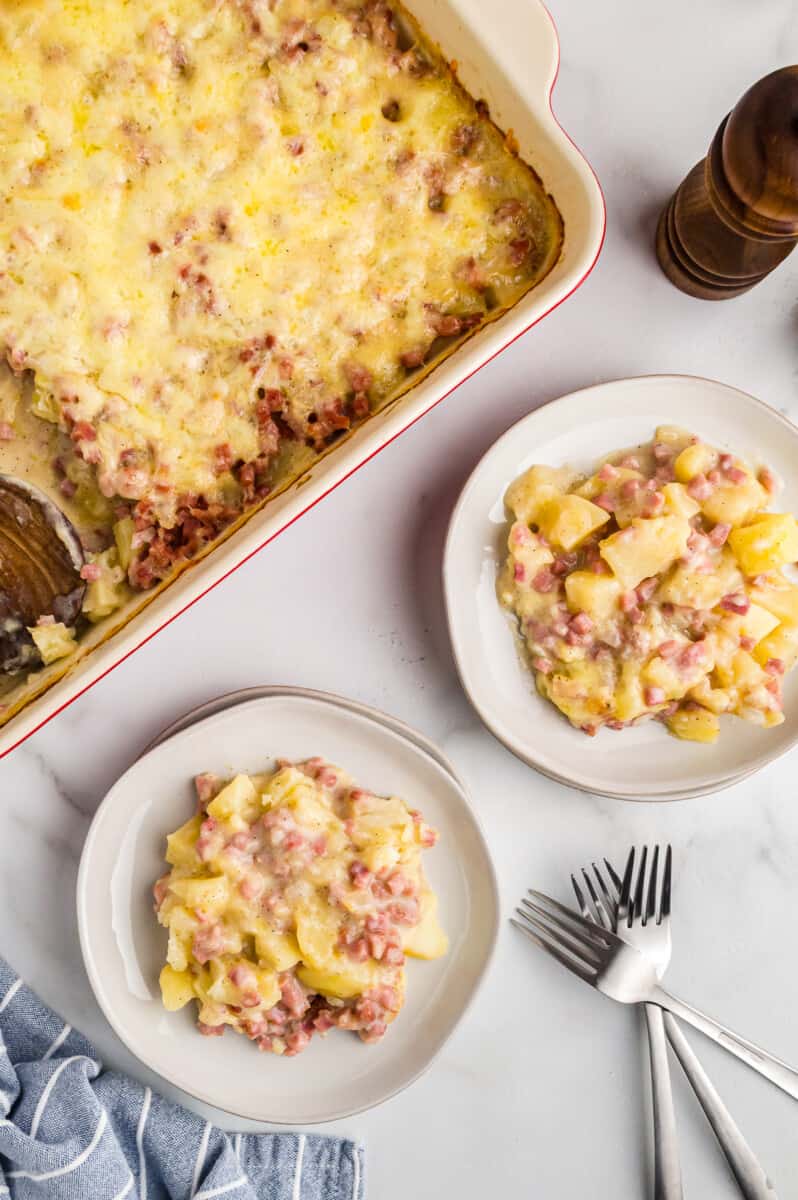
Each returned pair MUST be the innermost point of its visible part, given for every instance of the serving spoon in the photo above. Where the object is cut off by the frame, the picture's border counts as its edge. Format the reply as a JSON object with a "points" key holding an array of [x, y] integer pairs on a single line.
{"points": [[40, 564]]}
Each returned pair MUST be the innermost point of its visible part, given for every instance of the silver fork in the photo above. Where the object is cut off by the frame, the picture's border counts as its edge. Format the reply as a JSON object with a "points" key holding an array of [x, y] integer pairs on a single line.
{"points": [[642, 914], [603, 907], [607, 962]]}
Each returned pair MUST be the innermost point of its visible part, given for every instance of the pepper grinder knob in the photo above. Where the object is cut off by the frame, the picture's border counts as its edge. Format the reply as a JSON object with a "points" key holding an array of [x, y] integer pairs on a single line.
{"points": [[735, 216]]}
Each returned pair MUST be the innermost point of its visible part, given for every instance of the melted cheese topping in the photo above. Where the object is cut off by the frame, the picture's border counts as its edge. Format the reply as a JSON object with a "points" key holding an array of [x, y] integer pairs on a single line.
{"points": [[291, 902], [655, 588], [218, 210]]}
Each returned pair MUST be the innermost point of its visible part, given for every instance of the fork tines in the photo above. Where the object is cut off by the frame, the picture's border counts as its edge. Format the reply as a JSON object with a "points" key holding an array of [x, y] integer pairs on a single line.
{"points": [[577, 943], [652, 903]]}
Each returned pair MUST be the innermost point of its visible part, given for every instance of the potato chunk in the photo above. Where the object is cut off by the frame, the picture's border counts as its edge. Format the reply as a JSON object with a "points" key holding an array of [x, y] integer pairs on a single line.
{"points": [[779, 597], [53, 641], [177, 988], [781, 644], [756, 624], [735, 503], [694, 724], [767, 543], [525, 497], [596, 595], [673, 436], [679, 502], [238, 798], [527, 556], [645, 548], [181, 845], [696, 459], [341, 979], [211, 895], [317, 928], [427, 939], [629, 701], [569, 520], [692, 588], [280, 950]]}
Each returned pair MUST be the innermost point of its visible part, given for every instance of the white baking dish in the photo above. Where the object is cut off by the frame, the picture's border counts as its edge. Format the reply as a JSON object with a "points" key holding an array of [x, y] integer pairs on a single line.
{"points": [[509, 56]]}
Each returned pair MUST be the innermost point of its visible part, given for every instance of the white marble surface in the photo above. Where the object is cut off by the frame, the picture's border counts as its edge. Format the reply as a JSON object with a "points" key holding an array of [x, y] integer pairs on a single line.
{"points": [[542, 1092]]}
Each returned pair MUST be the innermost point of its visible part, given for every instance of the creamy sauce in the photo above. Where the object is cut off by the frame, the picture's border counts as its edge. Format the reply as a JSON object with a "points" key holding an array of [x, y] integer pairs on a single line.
{"points": [[654, 588], [292, 900]]}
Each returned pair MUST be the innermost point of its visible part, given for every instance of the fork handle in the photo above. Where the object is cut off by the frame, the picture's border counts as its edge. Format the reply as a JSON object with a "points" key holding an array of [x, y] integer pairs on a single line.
{"points": [[667, 1168], [772, 1068], [751, 1178]]}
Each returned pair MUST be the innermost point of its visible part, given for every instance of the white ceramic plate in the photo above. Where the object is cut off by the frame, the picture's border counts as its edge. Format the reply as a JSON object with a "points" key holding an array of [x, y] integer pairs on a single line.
{"points": [[123, 946], [243, 695], [644, 762]]}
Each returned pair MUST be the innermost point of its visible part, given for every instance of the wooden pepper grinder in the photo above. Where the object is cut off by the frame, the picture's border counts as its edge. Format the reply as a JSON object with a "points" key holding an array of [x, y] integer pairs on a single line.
{"points": [[735, 217]]}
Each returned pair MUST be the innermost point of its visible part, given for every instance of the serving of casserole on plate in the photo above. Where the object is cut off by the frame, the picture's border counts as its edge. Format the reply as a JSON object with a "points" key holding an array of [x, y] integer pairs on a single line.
{"points": [[311, 901], [235, 233]]}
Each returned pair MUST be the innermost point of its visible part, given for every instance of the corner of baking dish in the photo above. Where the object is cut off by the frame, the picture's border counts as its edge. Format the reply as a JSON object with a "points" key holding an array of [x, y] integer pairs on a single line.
{"points": [[510, 57]]}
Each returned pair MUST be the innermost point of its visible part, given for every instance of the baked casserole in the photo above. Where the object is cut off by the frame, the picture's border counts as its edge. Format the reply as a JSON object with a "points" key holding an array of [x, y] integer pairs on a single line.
{"points": [[231, 231]]}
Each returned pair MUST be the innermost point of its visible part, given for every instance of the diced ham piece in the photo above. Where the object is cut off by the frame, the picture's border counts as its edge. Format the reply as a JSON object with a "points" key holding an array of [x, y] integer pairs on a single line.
{"points": [[654, 695], [519, 572], [605, 501], [208, 943], [662, 452], [91, 572], [736, 602], [691, 655], [411, 359], [296, 1042], [159, 890], [360, 377], [250, 887], [242, 977], [775, 666], [210, 839], [646, 589], [699, 487], [206, 786], [6, 432], [735, 475], [360, 876], [543, 665], [398, 884], [608, 471], [627, 601], [719, 534], [769, 480], [564, 563], [545, 580], [630, 488], [293, 996], [581, 623], [210, 1030]]}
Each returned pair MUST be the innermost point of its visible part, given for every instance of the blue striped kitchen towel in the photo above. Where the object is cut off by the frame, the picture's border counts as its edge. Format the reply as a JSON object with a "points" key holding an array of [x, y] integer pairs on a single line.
{"points": [[71, 1131]]}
